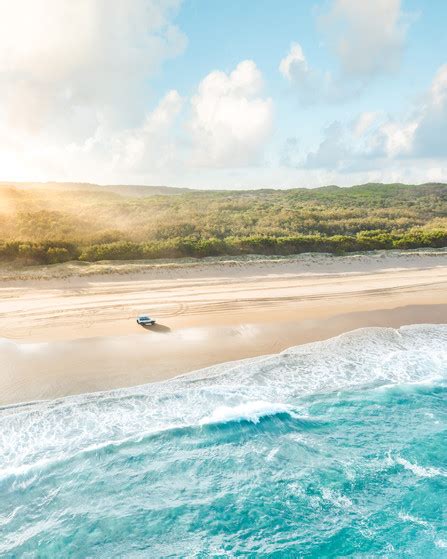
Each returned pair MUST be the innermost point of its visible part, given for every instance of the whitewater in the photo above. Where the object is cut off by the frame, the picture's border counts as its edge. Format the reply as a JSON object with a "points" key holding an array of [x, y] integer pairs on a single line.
{"points": [[331, 449]]}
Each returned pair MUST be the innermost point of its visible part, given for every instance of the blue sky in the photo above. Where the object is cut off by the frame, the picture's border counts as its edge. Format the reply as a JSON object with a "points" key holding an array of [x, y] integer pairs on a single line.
{"points": [[223, 94]]}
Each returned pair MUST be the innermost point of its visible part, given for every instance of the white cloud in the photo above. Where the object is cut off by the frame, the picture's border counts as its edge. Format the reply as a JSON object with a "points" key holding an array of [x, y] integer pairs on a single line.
{"points": [[226, 124], [75, 86], [431, 120], [420, 134], [368, 36], [331, 152], [230, 121], [293, 63], [375, 146], [364, 122], [154, 145], [397, 138], [310, 85], [438, 90], [143, 152], [64, 64]]}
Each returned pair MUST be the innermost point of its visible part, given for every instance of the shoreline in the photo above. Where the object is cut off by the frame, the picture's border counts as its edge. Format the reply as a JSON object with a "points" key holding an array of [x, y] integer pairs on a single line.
{"points": [[51, 370], [101, 389], [78, 335]]}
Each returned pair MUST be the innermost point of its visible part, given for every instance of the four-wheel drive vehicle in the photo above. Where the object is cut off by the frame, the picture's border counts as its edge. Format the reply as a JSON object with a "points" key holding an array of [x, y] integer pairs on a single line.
{"points": [[145, 320]]}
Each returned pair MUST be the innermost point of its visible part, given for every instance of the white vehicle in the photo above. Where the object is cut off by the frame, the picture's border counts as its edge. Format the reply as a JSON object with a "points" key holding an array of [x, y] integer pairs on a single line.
{"points": [[145, 320]]}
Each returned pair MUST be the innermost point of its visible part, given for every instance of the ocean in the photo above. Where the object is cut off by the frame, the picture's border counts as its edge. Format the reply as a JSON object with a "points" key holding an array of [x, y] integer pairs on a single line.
{"points": [[331, 449]]}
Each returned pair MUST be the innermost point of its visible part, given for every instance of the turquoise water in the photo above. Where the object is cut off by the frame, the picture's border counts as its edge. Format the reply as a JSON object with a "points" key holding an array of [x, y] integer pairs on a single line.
{"points": [[333, 449]]}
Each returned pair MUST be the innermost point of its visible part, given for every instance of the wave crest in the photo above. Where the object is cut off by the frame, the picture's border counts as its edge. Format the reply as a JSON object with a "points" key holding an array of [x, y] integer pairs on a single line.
{"points": [[248, 411]]}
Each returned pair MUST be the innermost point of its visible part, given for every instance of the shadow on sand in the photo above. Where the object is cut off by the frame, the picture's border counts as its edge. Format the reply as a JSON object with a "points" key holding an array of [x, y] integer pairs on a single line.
{"points": [[161, 328]]}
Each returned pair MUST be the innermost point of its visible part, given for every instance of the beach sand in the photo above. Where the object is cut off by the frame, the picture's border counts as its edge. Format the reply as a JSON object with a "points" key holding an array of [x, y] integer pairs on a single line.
{"points": [[76, 334]]}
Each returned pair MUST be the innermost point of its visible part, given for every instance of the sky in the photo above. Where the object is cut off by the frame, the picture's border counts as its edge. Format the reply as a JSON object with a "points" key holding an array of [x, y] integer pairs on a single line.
{"points": [[223, 94]]}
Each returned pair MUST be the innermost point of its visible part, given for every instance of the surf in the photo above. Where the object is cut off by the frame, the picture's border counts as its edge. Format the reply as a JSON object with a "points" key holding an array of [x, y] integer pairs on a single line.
{"points": [[328, 444]]}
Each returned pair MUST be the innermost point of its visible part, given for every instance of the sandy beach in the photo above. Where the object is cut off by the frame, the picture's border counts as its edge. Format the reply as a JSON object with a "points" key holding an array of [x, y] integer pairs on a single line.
{"points": [[76, 334]]}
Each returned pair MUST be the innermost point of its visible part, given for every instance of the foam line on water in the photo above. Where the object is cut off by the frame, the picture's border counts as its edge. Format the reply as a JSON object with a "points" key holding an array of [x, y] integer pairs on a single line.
{"points": [[420, 471]]}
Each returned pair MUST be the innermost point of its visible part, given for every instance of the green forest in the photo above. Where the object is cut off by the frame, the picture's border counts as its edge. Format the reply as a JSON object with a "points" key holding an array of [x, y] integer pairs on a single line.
{"points": [[47, 224]]}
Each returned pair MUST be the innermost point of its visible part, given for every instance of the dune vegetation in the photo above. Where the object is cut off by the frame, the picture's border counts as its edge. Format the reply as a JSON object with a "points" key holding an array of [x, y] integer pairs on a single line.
{"points": [[52, 223]]}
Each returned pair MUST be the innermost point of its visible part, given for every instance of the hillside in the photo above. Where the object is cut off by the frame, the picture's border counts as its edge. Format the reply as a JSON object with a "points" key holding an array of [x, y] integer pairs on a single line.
{"points": [[128, 191], [51, 222]]}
